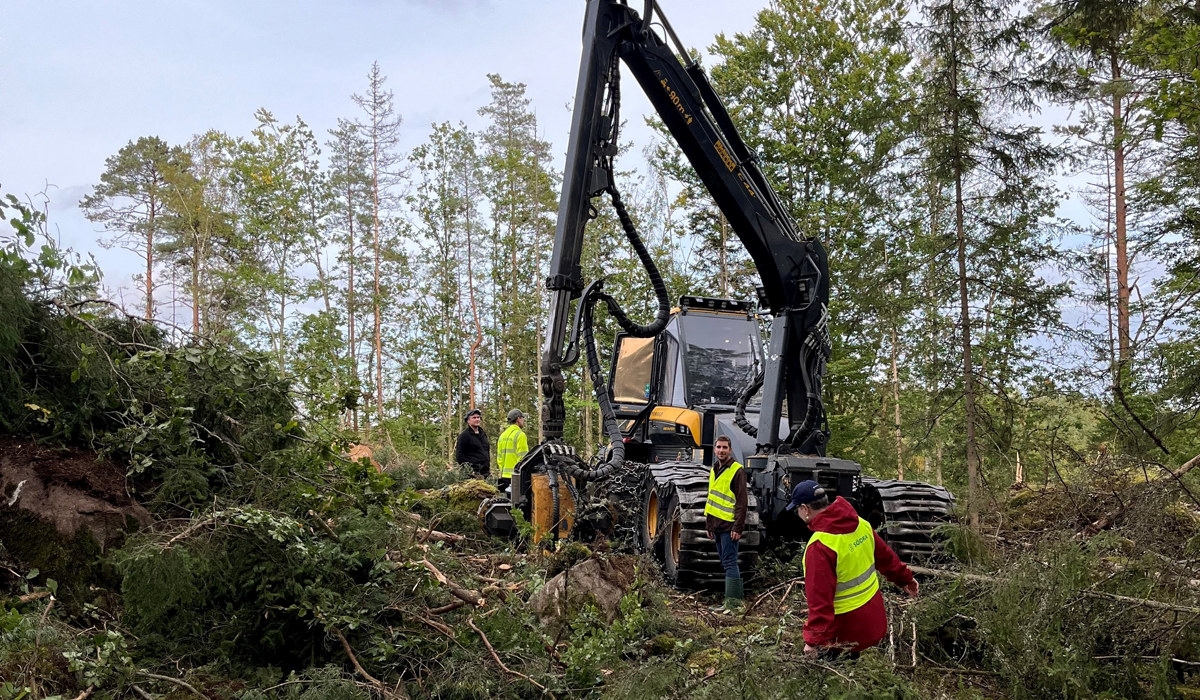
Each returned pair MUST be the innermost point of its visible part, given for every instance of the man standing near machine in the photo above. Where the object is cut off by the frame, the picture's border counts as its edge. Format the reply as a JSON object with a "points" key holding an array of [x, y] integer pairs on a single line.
{"points": [[511, 447], [725, 516]]}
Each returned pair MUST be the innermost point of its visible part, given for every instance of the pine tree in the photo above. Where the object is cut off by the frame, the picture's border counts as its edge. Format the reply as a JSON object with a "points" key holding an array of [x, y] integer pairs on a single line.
{"points": [[520, 191], [445, 214], [132, 198], [350, 180]]}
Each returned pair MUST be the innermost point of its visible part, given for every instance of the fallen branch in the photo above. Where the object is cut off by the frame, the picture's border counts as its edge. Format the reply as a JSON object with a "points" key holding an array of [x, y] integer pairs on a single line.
{"points": [[1147, 658], [439, 536], [1108, 518], [141, 693], [787, 585], [176, 681], [444, 629], [37, 638], [30, 597], [463, 594], [188, 531], [363, 672], [87, 692], [324, 525], [504, 668], [1156, 604], [442, 610]]}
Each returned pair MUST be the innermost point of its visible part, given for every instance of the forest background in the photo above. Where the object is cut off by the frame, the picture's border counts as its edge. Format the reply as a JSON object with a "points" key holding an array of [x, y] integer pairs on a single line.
{"points": [[981, 337], [1007, 200]]}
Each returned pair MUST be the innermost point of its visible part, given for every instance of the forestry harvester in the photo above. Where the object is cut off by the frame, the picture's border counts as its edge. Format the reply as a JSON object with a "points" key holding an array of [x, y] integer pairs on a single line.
{"points": [[699, 370]]}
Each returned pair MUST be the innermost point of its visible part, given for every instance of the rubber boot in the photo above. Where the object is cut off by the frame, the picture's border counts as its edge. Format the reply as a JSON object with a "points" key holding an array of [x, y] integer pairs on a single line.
{"points": [[735, 597], [723, 606]]}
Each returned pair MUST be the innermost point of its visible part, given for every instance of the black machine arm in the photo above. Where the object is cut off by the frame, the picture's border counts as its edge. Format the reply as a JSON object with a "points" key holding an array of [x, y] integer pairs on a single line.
{"points": [[792, 267]]}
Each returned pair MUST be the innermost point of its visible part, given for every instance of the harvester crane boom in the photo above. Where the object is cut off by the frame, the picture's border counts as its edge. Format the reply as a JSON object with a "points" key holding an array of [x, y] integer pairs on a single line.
{"points": [[792, 266]]}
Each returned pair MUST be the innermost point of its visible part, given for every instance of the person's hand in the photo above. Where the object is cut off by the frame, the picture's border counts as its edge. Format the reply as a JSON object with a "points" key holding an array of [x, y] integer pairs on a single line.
{"points": [[913, 589], [810, 650], [735, 536], [710, 534]]}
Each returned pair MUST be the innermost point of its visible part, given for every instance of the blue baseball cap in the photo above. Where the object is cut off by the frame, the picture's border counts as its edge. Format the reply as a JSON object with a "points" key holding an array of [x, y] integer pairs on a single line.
{"points": [[805, 492]]}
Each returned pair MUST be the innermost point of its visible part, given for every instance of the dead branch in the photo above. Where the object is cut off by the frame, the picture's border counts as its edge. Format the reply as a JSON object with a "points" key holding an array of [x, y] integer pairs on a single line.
{"points": [[176, 681], [1156, 604], [141, 693], [1120, 392], [30, 597], [87, 692], [451, 606], [504, 668], [37, 638], [363, 672], [70, 312], [439, 536], [440, 627], [463, 594], [1108, 519], [429, 530], [787, 585], [188, 531], [324, 525], [1148, 658]]}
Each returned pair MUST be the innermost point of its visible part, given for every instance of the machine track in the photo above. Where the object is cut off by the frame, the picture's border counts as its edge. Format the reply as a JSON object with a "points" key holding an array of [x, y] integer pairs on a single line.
{"points": [[906, 514], [673, 527]]}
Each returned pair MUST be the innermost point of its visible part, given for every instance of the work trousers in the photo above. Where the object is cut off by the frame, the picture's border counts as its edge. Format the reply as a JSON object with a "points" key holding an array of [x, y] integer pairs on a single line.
{"points": [[727, 549]]}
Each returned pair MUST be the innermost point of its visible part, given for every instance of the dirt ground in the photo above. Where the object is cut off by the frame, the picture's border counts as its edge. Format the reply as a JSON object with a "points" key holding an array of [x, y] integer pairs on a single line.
{"points": [[67, 487]]}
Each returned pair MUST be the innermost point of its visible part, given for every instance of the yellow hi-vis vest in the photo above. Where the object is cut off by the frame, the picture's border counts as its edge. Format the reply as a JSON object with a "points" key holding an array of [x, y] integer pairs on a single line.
{"points": [[510, 449], [856, 577], [720, 493]]}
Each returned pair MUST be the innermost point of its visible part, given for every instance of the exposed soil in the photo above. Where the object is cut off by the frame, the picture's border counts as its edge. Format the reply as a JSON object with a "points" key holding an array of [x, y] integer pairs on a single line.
{"points": [[68, 487]]}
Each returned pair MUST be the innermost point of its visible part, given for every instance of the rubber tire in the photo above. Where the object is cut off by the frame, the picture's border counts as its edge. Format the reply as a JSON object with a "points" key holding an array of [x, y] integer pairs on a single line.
{"points": [[667, 546]]}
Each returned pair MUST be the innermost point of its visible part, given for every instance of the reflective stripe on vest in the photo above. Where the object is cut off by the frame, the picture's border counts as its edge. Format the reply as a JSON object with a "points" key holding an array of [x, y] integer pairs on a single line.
{"points": [[512, 446], [721, 499], [856, 578]]}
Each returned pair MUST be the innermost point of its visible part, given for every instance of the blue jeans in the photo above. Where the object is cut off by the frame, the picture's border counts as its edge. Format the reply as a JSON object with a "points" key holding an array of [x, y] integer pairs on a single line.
{"points": [[727, 549]]}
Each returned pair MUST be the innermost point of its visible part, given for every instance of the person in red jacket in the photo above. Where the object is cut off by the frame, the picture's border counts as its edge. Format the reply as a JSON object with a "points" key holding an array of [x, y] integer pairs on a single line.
{"points": [[845, 604]]}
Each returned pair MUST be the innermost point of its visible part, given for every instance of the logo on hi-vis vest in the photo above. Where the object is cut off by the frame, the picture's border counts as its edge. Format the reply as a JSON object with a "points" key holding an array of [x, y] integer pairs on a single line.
{"points": [[860, 540]]}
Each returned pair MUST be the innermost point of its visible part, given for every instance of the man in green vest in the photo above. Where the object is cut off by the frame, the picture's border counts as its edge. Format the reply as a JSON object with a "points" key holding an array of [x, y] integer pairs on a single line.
{"points": [[845, 605], [511, 448], [725, 516]]}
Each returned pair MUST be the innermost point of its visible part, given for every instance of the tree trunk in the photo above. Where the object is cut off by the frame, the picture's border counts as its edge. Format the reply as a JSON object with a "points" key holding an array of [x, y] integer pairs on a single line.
{"points": [[1124, 342], [960, 230], [378, 294], [897, 433], [351, 311], [150, 226]]}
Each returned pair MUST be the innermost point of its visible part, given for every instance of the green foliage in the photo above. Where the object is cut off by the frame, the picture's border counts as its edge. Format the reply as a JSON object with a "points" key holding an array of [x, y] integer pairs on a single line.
{"points": [[105, 663], [258, 586]]}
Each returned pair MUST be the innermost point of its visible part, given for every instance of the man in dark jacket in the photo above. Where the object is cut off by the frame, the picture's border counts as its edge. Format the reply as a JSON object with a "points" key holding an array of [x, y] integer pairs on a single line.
{"points": [[472, 445], [725, 516], [845, 604]]}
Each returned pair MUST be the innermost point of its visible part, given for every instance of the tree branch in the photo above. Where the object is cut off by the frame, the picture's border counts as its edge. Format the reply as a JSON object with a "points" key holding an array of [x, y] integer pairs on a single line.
{"points": [[469, 596], [176, 681], [363, 672], [977, 578], [504, 668]]}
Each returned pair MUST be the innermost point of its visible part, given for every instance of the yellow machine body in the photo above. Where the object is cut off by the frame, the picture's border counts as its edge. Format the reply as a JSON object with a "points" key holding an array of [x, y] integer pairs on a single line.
{"points": [[541, 513]]}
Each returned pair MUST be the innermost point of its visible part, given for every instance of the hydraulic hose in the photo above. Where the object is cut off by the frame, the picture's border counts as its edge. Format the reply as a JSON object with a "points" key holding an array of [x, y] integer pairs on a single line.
{"points": [[739, 410], [552, 473]]}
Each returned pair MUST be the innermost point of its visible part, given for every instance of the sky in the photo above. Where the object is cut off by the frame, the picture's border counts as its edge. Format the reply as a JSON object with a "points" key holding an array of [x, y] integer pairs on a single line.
{"points": [[80, 79]]}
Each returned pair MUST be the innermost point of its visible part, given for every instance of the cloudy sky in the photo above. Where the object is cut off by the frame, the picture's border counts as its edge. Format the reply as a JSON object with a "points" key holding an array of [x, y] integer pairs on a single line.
{"points": [[80, 79]]}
